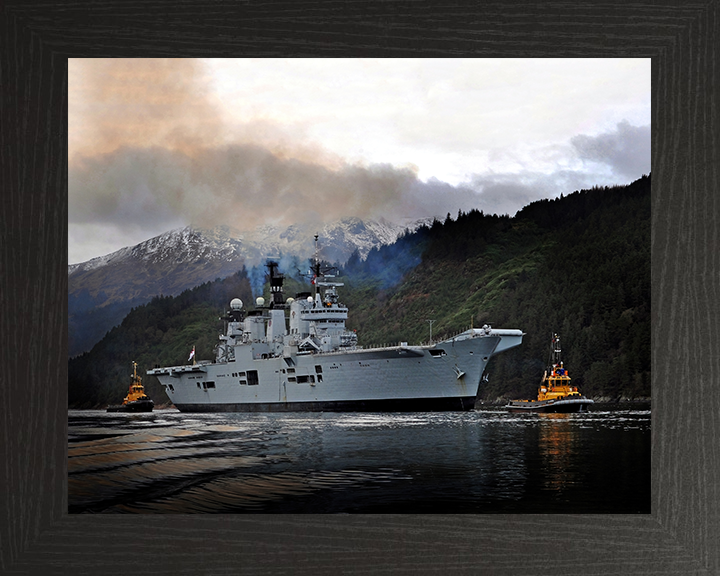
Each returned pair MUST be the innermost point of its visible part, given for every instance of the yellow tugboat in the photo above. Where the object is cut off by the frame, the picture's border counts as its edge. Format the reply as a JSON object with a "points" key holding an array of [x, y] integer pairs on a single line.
{"points": [[136, 400], [555, 393]]}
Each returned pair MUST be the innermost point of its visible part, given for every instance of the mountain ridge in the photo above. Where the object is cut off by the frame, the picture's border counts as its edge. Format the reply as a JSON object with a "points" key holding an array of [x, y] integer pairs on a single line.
{"points": [[102, 290]]}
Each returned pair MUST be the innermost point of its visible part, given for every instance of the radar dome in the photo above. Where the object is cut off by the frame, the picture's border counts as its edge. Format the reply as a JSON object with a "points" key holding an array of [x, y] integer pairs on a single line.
{"points": [[290, 300], [310, 298], [236, 304], [260, 301]]}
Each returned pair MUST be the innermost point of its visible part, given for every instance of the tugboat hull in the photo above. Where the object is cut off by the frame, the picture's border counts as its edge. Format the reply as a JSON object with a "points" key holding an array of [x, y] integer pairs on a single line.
{"points": [[132, 407], [550, 406]]}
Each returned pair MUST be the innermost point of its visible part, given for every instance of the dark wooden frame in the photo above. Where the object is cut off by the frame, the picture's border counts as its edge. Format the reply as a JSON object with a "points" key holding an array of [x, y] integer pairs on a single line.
{"points": [[37, 536]]}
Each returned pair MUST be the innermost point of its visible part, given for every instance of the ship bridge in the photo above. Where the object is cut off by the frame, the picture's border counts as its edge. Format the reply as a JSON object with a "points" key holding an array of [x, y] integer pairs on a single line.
{"points": [[332, 314]]}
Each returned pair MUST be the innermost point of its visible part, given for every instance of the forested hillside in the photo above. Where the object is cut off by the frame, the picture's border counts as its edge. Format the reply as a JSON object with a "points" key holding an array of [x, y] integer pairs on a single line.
{"points": [[162, 331], [578, 265]]}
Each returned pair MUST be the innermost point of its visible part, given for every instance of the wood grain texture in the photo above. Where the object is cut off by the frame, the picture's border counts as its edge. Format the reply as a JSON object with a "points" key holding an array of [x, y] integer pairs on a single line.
{"points": [[681, 535]]}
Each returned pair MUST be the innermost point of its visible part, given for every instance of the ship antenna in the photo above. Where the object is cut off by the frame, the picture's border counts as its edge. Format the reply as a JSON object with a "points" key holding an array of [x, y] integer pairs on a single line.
{"points": [[431, 323], [316, 267], [555, 350]]}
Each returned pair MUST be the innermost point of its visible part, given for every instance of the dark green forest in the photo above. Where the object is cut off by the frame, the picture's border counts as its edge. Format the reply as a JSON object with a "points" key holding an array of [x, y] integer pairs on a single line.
{"points": [[578, 265]]}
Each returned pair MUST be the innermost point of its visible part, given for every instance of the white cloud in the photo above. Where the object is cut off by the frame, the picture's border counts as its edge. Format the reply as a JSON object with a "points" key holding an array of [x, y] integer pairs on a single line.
{"points": [[436, 114], [626, 150]]}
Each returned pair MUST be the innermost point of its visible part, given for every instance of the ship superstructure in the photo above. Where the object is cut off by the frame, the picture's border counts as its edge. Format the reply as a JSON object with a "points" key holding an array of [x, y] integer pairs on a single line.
{"points": [[298, 355]]}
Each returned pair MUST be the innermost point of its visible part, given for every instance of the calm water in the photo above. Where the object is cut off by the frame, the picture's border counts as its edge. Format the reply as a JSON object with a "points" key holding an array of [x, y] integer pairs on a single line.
{"points": [[469, 462]]}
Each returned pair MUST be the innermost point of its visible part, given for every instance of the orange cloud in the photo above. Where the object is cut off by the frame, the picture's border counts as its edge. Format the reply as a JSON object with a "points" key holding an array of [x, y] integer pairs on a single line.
{"points": [[140, 102], [168, 103]]}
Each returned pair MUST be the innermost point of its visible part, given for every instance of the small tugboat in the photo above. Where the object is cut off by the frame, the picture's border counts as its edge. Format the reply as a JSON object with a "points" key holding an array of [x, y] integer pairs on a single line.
{"points": [[555, 393], [136, 400]]}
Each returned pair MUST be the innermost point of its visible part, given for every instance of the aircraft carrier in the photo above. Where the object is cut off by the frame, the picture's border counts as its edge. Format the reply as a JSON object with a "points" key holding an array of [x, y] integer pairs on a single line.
{"points": [[297, 355]]}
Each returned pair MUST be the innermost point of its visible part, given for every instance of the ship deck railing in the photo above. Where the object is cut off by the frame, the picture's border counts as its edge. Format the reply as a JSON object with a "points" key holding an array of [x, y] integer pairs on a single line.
{"points": [[198, 363], [423, 344], [403, 344]]}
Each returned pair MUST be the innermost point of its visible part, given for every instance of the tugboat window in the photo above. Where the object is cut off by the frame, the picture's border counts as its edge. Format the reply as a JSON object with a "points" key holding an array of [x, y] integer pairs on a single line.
{"points": [[252, 378]]}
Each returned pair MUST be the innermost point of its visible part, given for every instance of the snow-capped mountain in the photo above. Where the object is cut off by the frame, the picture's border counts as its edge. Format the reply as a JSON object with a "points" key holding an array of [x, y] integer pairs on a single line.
{"points": [[181, 245], [104, 289], [338, 240]]}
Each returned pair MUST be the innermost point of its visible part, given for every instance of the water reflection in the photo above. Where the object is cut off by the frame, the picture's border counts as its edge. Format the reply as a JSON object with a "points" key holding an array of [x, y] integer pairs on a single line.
{"points": [[557, 440]]}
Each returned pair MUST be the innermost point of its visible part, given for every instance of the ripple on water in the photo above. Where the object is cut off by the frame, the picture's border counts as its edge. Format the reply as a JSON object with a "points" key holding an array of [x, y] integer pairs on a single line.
{"points": [[489, 460]]}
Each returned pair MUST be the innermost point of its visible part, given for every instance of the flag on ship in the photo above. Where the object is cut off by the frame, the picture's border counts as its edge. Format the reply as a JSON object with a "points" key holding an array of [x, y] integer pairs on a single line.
{"points": [[192, 354]]}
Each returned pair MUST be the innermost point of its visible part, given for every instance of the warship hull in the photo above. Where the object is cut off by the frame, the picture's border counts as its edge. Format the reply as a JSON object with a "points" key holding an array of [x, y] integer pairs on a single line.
{"points": [[442, 376], [390, 405]]}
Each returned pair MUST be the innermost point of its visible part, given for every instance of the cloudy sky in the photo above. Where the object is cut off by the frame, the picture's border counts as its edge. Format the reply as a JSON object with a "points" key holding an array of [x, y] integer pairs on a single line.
{"points": [[160, 144]]}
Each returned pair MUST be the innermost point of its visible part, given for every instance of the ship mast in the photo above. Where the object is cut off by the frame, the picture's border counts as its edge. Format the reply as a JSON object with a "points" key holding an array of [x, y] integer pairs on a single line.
{"points": [[316, 268]]}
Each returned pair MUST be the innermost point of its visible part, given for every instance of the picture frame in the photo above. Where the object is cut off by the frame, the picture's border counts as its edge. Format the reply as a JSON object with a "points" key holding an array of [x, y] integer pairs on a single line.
{"points": [[37, 536]]}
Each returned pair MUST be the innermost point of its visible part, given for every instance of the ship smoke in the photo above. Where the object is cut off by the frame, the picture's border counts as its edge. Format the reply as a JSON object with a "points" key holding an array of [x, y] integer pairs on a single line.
{"points": [[243, 186], [290, 266], [153, 150]]}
